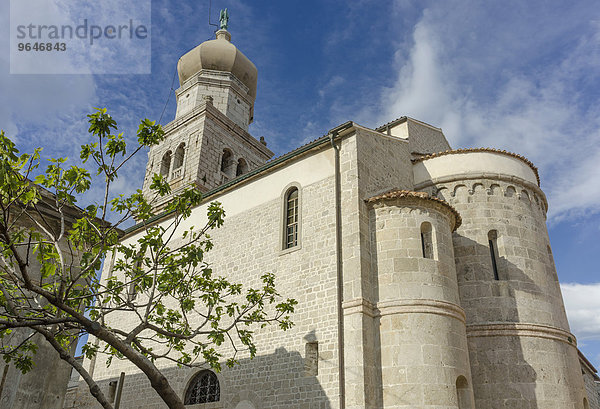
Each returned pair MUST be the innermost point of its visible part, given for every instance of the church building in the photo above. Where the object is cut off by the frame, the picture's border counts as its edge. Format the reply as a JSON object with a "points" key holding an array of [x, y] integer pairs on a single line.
{"points": [[423, 274]]}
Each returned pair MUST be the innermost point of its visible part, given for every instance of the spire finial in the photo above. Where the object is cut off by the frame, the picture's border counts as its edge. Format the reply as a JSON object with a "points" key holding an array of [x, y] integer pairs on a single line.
{"points": [[224, 19]]}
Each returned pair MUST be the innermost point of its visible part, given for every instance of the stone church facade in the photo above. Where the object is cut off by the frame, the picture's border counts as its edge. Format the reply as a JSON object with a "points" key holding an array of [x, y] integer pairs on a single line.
{"points": [[424, 275]]}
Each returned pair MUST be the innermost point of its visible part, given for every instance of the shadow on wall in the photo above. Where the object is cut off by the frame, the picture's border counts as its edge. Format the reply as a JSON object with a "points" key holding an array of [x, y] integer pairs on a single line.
{"points": [[43, 386], [281, 379], [501, 374]]}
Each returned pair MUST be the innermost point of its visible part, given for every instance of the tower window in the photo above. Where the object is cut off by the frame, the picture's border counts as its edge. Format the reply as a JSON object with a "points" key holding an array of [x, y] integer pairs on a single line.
{"points": [[427, 240], [179, 155], [165, 164], [291, 221], [203, 388], [242, 167], [493, 243], [226, 161]]}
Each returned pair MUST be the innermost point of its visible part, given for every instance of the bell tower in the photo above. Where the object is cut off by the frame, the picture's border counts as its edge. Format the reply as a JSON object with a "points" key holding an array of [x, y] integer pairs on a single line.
{"points": [[208, 144]]}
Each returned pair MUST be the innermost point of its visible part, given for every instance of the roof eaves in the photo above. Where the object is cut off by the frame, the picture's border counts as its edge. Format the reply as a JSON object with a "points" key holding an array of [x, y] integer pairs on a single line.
{"points": [[473, 150], [392, 123], [272, 163], [409, 194]]}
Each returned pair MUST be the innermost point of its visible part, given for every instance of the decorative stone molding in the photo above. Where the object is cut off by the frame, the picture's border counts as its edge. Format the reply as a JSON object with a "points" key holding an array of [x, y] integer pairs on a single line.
{"points": [[471, 150], [359, 306], [415, 306], [421, 197], [521, 189], [421, 306], [521, 330]]}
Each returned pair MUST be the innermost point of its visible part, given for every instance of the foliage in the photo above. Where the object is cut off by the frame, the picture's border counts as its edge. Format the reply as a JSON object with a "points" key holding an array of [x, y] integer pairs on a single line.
{"points": [[158, 278]]}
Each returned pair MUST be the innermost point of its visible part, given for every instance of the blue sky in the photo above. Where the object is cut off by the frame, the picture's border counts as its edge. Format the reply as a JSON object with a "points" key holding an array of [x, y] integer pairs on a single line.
{"points": [[515, 75]]}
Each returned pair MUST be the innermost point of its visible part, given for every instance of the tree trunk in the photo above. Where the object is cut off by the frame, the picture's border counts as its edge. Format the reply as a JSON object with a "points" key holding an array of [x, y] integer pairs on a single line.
{"points": [[65, 356], [158, 381]]}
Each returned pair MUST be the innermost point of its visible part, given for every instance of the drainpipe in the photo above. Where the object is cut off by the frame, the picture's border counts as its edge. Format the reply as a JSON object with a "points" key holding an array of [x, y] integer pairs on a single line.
{"points": [[340, 277]]}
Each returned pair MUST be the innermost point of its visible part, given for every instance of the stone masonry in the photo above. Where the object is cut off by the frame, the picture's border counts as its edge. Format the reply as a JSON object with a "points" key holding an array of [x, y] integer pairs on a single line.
{"points": [[437, 261]]}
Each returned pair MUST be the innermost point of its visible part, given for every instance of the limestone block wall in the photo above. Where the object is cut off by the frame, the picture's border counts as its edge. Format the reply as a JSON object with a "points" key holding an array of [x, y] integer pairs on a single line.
{"points": [[204, 134], [521, 351], [370, 163], [422, 336], [44, 386], [218, 136], [230, 96], [422, 138], [247, 246], [591, 381]]}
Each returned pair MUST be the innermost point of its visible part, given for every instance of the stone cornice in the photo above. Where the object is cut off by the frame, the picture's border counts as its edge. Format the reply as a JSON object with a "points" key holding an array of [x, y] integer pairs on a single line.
{"points": [[521, 330], [399, 194], [486, 175], [474, 150], [214, 113], [414, 306]]}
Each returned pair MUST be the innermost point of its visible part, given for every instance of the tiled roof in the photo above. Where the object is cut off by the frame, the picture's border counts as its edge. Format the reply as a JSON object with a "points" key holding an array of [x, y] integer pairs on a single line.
{"points": [[395, 121], [399, 193], [470, 150]]}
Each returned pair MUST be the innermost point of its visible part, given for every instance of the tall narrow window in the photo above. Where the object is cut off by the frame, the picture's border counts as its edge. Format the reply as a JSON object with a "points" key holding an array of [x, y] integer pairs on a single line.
{"points": [[427, 240], [226, 161], [242, 167], [203, 388], [291, 218], [493, 242], [179, 155], [132, 291], [462, 393], [165, 165]]}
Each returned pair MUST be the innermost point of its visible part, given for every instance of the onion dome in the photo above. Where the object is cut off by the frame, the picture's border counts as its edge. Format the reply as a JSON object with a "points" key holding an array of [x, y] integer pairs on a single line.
{"points": [[219, 55]]}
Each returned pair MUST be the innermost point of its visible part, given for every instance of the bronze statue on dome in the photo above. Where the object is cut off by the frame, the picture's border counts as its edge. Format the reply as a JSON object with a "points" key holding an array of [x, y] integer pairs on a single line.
{"points": [[224, 19]]}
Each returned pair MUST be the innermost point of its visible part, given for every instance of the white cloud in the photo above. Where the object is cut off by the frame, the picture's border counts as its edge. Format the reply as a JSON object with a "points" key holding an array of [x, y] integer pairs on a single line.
{"points": [[497, 78], [582, 302]]}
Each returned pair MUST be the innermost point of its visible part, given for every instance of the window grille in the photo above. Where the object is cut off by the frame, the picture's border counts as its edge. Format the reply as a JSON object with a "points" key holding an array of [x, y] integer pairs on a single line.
{"points": [[203, 388]]}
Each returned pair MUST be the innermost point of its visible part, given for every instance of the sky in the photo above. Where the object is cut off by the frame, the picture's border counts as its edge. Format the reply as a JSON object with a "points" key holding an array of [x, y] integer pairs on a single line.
{"points": [[514, 75]]}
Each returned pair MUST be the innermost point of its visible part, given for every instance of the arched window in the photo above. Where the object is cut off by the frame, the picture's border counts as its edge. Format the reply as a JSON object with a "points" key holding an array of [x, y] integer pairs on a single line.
{"points": [[165, 165], [493, 243], [179, 155], [242, 167], [586, 405], [427, 240], [462, 393], [226, 161], [133, 291], [203, 388], [291, 218]]}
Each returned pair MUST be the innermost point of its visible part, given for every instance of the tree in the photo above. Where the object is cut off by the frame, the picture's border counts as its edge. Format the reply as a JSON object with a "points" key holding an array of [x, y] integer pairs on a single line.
{"points": [[184, 311]]}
